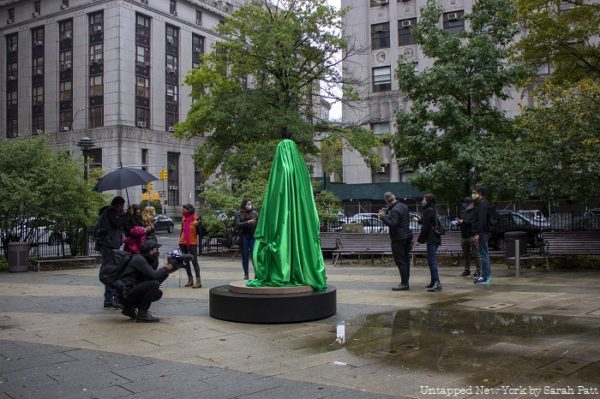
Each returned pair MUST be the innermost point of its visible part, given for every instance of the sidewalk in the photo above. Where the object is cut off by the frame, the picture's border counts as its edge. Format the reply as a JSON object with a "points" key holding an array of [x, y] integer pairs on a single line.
{"points": [[536, 332]]}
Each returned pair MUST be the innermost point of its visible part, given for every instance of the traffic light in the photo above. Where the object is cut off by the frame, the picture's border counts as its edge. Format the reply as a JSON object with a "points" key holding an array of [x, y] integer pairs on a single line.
{"points": [[149, 186], [163, 174]]}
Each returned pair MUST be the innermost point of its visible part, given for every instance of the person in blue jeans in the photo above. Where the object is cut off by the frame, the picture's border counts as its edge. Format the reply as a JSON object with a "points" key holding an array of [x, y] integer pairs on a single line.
{"points": [[482, 229], [245, 223], [429, 235]]}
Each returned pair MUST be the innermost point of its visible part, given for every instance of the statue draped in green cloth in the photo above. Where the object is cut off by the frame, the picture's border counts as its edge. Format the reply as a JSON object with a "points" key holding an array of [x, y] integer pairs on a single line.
{"points": [[287, 248]]}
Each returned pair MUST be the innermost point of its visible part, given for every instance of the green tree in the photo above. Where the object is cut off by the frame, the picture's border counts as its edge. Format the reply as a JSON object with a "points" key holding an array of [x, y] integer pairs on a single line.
{"points": [[43, 187], [561, 34], [261, 84], [452, 115], [554, 151]]}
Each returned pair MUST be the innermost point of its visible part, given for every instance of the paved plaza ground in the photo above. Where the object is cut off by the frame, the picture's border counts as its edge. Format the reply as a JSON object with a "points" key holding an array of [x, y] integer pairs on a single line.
{"points": [[532, 336]]}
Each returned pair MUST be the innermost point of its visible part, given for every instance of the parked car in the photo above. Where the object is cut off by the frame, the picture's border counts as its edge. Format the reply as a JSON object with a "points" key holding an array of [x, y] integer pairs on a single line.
{"points": [[359, 217], [536, 217], [513, 221], [587, 223], [163, 222]]}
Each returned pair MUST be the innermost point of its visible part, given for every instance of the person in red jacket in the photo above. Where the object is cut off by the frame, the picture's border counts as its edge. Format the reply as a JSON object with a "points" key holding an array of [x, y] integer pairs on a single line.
{"points": [[188, 243]]}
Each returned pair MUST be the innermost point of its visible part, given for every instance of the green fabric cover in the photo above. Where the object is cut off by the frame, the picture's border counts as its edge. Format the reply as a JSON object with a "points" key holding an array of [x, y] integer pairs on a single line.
{"points": [[287, 248]]}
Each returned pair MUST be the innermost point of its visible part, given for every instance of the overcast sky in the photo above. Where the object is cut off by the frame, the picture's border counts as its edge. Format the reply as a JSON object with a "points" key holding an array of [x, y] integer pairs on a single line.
{"points": [[336, 108]]}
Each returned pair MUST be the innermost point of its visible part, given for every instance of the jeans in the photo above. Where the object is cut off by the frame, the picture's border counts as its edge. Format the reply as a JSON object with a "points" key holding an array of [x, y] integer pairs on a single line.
{"points": [[194, 252], [470, 248], [401, 252], [142, 295], [485, 255], [110, 293], [247, 243], [432, 261]]}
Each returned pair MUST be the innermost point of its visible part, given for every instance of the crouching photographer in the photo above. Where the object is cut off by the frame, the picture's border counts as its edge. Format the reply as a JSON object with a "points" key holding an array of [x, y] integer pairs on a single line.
{"points": [[138, 285]]}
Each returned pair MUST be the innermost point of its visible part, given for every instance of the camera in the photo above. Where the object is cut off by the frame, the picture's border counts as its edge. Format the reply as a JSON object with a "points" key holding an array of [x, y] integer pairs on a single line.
{"points": [[178, 259]]}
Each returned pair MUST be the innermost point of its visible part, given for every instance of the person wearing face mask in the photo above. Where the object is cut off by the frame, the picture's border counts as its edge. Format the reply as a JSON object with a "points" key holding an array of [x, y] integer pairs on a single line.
{"points": [[429, 235], [188, 243], [138, 285], [397, 218], [482, 229], [245, 223]]}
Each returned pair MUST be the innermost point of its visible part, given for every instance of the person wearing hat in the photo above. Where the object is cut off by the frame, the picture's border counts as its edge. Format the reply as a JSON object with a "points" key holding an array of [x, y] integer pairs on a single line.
{"points": [[138, 285], [470, 246], [188, 243]]}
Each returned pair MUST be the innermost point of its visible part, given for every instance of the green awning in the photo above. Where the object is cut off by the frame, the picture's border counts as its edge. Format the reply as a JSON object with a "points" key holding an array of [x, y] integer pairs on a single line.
{"points": [[373, 191]]}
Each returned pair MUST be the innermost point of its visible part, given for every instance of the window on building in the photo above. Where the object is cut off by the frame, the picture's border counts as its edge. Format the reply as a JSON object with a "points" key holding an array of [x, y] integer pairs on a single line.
{"points": [[144, 159], [38, 95], [172, 63], [65, 119], [171, 93], [12, 70], [198, 44], [12, 42], [12, 99], [65, 91], [12, 128], [96, 22], [142, 87], [37, 123], [37, 64], [65, 29], [96, 85], [11, 14], [172, 34], [65, 3], [37, 6], [198, 17], [454, 22], [65, 60], [96, 116], [382, 79], [172, 119], [173, 181], [95, 158], [142, 55], [142, 117], [379, 128], [37, 36], [405, 36], [96, 53], [543, 69], [172, 6], [380, 36]]}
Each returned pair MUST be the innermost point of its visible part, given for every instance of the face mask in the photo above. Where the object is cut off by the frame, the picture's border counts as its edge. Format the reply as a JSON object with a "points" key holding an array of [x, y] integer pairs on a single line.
{"points": [[423, 202], [248, 207], [475, 196]]}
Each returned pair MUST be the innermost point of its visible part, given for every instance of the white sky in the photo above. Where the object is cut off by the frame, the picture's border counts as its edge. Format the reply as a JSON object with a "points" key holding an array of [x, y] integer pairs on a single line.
{"points": [[336, 108]]}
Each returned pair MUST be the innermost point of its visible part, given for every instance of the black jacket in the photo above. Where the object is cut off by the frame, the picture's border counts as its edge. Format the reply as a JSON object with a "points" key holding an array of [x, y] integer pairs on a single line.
{"points": [[241, 222], [398, 220], [113, 224], [137, 271], [481, 222], [428, 222], [468, 218]]}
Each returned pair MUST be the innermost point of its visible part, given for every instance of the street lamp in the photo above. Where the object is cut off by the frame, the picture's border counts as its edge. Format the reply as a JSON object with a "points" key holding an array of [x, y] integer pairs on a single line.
{"points": [[85, 144]]}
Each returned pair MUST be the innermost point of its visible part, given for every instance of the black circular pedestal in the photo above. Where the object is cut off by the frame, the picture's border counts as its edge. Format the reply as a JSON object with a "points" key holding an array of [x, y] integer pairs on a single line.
{"points": [[252, 308]]}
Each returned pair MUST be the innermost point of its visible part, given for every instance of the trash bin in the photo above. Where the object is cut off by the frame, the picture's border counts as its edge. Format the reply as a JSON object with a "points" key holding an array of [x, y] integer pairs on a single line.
{"points": [[509, 240], [18, 257]]}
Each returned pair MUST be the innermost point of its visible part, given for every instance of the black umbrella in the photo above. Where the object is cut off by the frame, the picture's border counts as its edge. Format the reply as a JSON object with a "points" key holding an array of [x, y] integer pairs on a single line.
{"points": [[122, 178]]}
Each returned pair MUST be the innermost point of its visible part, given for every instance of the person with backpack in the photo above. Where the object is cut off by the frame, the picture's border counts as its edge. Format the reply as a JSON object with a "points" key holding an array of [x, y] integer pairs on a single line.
{"points": [[138, 285], [431, 234], [109, 236], [188, 242], [470, 247], [482, 225]]}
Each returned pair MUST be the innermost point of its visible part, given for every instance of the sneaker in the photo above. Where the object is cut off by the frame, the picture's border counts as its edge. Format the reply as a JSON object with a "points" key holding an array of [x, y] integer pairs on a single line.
{"points": [[481, 280], [129, 312], [401, 287], [476, 274], [430, 285], [436, 287], [466, 273], [146, 318]]}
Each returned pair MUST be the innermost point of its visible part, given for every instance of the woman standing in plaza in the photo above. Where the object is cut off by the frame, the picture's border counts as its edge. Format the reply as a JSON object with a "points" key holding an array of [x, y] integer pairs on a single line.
{"points": [[431, 234]]}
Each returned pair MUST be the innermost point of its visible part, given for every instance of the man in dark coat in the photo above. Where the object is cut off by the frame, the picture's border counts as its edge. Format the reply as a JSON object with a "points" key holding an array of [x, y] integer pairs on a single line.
{"points": [[470, 247], [110, 236], [481, 225], [397, 218], [138, 285]]}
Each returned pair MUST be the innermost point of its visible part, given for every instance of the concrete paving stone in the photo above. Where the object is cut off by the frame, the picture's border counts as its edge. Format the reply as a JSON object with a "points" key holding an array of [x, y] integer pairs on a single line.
{"points": [[7, 366], [565, 366], [295, 390], [590, 373], [113, 360]]}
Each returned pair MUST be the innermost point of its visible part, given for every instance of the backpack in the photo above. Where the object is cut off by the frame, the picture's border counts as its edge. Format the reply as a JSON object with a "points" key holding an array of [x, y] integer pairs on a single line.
{"points": [[113, 265], [439, 228], [99, 230], [493, 218]]}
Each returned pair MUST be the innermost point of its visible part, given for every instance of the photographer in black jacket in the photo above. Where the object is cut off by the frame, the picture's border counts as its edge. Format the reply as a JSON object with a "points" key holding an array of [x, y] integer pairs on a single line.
{"points": [[138, 285]]}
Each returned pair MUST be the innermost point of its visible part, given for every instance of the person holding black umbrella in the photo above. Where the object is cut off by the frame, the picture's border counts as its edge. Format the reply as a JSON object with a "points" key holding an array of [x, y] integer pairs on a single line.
{"points": [[110, 236]]}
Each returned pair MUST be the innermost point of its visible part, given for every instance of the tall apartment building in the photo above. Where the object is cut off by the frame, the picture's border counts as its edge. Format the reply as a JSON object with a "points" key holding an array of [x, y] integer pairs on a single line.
{"points": [[112, 70], [382, 29]]}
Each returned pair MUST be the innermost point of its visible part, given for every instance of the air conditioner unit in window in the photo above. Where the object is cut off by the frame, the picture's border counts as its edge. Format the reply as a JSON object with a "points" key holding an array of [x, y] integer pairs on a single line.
{"points": [[12, 77], [174, 13], [453, 16], [170, 70], [64, 6], [38, 72], [97, 28], [383, 2], [67, 35], [197, 50], [35, 14], [141, 124], [66, 128], [38, 43], [170, 39], [171, 129], [198, 21], [9, 21], [382, 169], [173, 188], [39, 131], [406, 23]]}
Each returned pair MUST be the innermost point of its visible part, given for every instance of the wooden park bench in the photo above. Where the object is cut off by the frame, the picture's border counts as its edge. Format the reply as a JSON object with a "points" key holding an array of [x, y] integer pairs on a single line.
{"points": [[329, 241], [451, 246], [362, 244], [572, 243]]}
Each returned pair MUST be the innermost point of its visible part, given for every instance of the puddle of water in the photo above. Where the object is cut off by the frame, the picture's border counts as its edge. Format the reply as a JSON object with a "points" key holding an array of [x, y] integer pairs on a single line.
{"points": [[491, 347]]}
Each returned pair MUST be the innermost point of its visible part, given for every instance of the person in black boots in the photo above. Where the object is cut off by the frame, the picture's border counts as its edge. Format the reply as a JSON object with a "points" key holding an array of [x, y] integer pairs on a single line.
{"points": [[138, 285], [430, 234], [397, 218], [470, 247]]}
